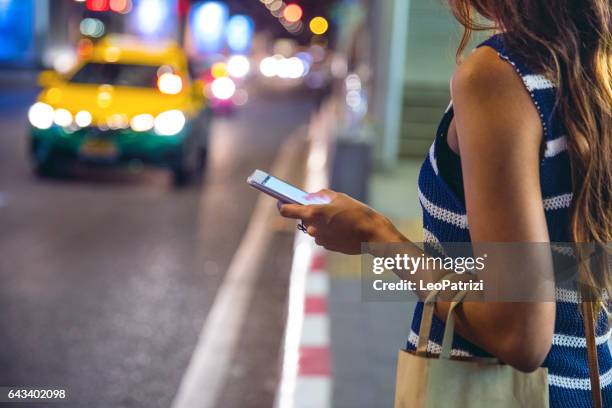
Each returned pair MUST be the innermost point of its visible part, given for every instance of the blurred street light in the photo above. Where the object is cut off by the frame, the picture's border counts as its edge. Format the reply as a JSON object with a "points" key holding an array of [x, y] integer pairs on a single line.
{"points": [[239, 33], [121, 6], [92, 27], [151, 15], [238, 66], [268, 67], [97, 5], [208, 22], [218, 69], [292, 13], [319, 25]]}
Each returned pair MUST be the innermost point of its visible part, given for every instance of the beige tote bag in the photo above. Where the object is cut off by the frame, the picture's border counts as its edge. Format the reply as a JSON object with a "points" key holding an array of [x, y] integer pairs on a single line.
{"points": [[428, 381]]}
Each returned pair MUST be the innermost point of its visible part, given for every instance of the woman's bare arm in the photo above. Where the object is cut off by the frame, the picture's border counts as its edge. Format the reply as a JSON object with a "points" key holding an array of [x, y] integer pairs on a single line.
{"points": [[500, 134]]}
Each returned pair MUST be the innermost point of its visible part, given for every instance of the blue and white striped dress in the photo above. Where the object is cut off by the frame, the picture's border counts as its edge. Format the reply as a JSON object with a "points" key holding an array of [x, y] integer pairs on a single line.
{"points": [[445, 220]]}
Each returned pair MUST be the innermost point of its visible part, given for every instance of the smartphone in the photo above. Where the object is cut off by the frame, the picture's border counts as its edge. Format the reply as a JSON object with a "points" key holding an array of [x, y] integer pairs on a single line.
{"points": [[281, 190]]}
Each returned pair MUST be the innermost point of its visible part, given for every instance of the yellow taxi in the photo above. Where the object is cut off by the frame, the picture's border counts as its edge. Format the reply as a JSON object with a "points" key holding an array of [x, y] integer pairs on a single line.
{"points": [[123, 102]]}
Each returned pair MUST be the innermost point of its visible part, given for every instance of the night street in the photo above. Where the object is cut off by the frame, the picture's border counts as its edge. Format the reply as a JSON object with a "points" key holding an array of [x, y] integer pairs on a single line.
{"points": [[112, 272], [305, 204]]}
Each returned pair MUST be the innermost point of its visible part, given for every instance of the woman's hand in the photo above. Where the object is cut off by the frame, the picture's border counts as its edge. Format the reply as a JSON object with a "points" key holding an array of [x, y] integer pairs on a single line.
{"points": [[343, 224]]}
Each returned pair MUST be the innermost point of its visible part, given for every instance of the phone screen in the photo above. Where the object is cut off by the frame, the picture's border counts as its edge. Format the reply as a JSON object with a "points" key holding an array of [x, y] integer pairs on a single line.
{"points": [[292, 192]]}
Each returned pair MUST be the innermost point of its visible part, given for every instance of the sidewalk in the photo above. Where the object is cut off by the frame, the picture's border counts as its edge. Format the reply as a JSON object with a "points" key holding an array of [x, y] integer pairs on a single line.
{"points": [[366, 336]]}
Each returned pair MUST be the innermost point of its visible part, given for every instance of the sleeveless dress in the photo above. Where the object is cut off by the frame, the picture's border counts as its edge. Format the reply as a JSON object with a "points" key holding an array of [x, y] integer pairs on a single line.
{"points": [[445, 220]]}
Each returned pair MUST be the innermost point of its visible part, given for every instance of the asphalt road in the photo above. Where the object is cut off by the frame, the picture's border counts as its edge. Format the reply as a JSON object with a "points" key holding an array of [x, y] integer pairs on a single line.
{"points": [[107, 276]]}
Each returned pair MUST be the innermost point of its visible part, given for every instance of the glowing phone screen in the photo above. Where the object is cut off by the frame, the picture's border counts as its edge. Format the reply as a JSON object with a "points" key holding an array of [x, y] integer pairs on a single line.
{"points": [[292, 192]]}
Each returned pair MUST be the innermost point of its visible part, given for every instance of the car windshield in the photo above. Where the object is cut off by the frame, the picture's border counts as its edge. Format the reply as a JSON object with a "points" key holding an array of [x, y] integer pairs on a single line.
{"points": [[142, 76]]}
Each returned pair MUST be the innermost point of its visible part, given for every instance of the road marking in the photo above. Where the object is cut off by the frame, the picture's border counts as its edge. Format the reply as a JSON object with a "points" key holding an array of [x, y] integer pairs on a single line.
{"points": [[211, 359], [3, 199]]}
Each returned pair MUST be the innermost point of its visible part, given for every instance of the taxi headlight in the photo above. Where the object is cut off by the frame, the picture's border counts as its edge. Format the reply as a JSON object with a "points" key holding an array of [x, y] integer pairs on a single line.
{"points": [[41, 115], [83, 118], [62, 117], [169, 123], [142, 122]]}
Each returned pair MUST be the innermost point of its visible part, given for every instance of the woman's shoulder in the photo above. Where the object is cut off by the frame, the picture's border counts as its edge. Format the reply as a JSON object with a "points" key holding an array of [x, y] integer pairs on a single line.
{"points": [[488, 87], [483, 71], [494, 113]]}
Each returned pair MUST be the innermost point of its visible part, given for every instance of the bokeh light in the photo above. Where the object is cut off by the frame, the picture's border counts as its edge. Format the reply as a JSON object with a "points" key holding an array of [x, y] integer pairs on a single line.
{"points": [[292, 13], [92, 27], [169, 123], [142, 122], [84, 47], [169, 83], [62, 117], [239, 33], [121, 6], [97, 5], [319, 25], [112, 54], [104, 97], [268, 67], [41, 115], [83, 118], [223, 88], [208, 22], [64, 60], [151, 17], [219, 70], [238, 66], [241, 97]]}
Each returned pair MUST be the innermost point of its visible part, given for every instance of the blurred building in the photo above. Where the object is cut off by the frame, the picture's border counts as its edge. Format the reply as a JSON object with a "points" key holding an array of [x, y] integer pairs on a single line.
{"points": [[23, 25], [415, 42]]}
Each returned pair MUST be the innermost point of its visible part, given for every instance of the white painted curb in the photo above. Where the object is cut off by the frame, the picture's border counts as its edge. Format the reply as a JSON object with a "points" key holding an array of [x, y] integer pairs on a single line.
{"points": [[306, 377]]}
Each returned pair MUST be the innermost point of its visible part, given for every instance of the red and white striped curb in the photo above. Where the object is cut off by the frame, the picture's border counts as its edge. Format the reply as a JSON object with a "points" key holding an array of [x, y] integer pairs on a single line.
{"points": [[313, 387], [306, 380]]}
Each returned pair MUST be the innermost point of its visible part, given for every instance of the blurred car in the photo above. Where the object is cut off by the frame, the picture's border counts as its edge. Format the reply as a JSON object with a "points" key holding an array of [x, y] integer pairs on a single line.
{"points": [[125, 101]]}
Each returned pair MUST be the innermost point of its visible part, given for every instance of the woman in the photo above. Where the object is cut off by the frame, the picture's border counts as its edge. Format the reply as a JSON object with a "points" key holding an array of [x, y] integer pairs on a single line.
{"points": [[524, 154]]}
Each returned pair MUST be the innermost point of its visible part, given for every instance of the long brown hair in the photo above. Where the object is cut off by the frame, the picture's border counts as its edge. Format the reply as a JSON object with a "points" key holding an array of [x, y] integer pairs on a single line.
{"points": [[570, 42]]}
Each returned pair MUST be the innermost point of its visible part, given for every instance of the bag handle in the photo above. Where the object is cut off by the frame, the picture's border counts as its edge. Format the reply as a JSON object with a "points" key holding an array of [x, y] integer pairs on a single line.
{"points": [[588, 318], [426, 321], [449, 330], [427, 317]]}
